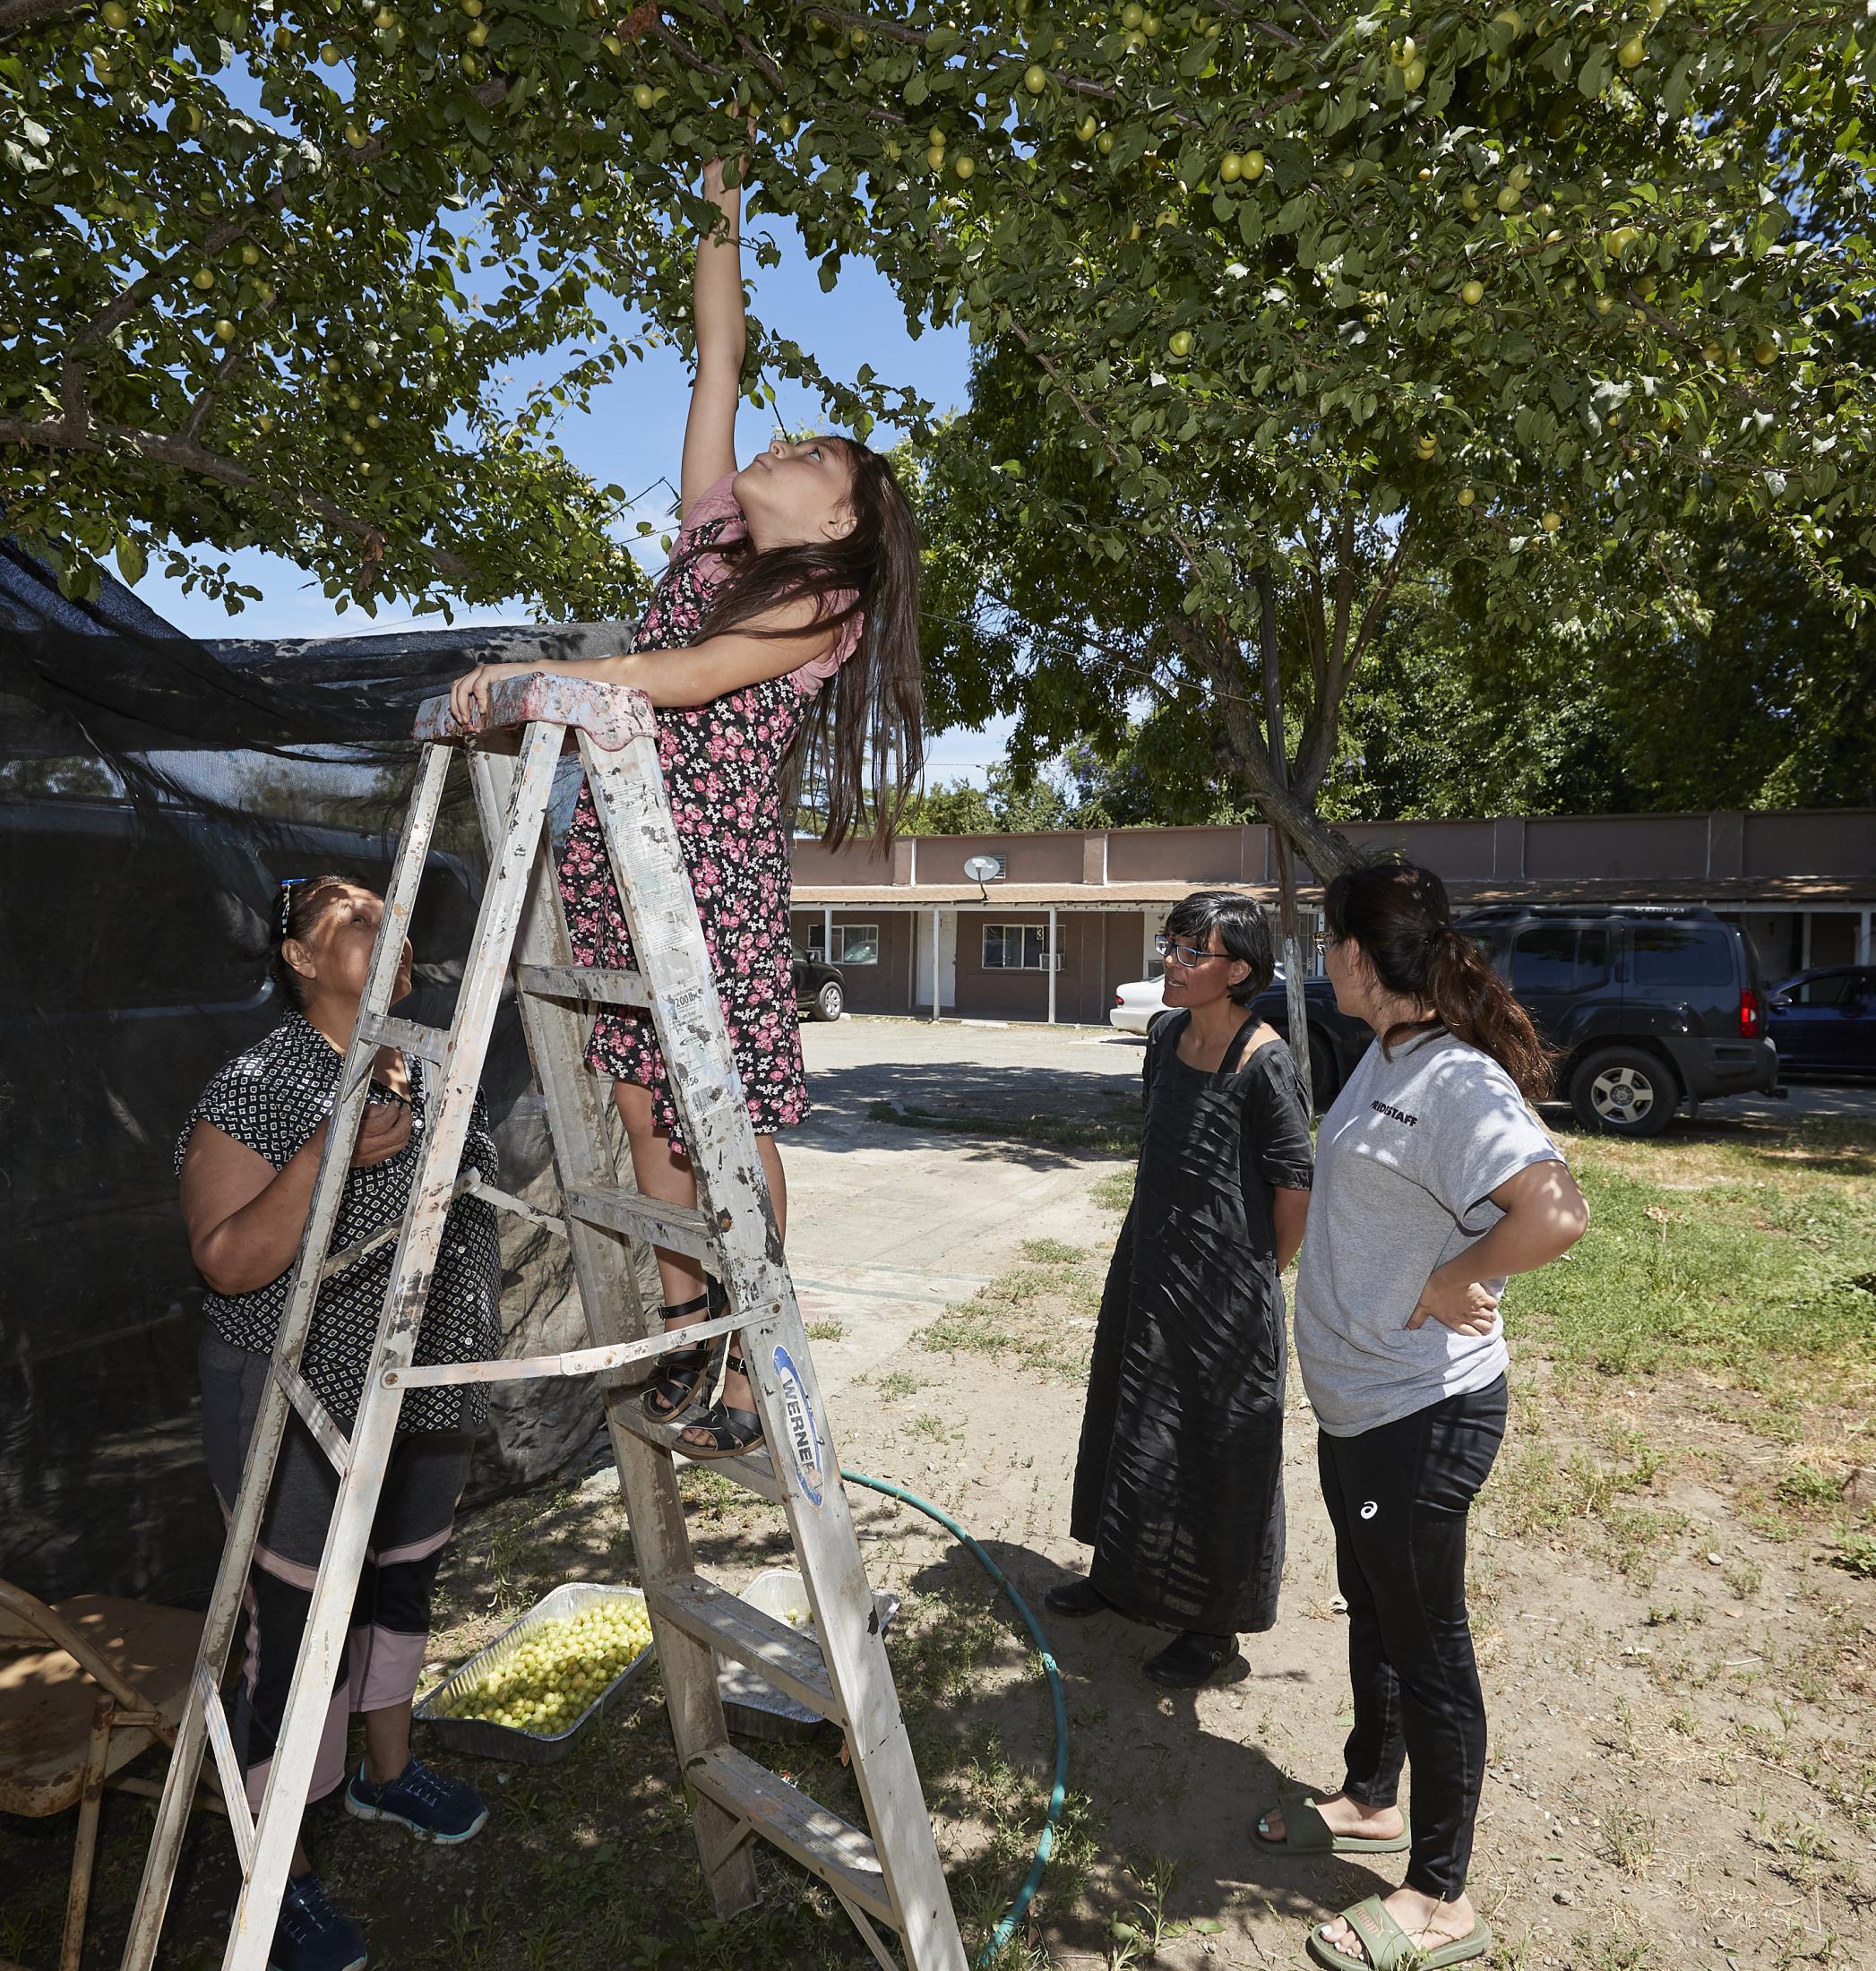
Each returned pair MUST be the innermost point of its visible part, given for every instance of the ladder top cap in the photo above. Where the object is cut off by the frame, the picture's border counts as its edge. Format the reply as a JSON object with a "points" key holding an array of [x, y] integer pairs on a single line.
{"points": [[610, 715]]}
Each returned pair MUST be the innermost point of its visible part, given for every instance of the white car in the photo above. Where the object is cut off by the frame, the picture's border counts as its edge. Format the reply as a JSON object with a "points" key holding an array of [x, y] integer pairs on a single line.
{"points": [[1137, 1006]]}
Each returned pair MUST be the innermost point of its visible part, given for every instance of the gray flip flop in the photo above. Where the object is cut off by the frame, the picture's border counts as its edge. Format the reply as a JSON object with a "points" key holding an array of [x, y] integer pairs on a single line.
{"points": [[1306, 1832]]}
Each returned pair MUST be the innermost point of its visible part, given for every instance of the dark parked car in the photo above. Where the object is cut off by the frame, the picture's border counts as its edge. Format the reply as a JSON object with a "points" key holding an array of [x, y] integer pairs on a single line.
{"points": [[1336, 1042], [140, 940], [820, 991], [1825, 1021], [1650, 1007]]}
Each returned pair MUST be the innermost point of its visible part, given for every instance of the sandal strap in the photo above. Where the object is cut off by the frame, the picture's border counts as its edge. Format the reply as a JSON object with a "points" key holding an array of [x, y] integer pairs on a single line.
{"points": [[689, 1307], [728, 1427], [1388, 1946], [734, 1361]]}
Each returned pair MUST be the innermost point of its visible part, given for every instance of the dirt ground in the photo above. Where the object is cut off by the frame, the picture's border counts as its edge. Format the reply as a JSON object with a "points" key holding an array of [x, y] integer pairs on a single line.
{"points": [[1671, 1582]]}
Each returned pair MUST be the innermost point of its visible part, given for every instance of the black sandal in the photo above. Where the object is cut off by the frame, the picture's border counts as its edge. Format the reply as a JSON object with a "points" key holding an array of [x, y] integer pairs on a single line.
{"points": [[732, 1430], [685, 1375]]}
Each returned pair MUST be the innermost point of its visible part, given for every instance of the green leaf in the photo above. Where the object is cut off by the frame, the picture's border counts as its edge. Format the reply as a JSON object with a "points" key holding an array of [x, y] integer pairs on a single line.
{"points": [[130, 560]]}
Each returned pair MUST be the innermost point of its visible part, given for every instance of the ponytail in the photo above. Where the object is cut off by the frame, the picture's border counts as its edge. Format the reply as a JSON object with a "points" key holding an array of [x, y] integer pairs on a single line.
{"points": [[1398, 914]]}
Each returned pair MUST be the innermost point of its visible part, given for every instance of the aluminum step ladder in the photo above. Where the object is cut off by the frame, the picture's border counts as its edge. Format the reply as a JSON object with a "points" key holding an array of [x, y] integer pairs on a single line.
{"points": [[888, 1878]]}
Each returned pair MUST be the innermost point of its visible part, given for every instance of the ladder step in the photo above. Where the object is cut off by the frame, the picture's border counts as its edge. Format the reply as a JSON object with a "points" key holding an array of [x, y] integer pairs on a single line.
{"points": [[734, 1628], [433, 1043], [615, 1355], [363, 1248], [680, 1229], [314, 1413], [584, 982], [234, 1790], [505, 1200], [821, 1841], [754, 1471]]}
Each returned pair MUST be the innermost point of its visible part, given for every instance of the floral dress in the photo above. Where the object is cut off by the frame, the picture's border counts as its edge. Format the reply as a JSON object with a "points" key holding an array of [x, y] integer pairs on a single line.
{"points": [[721, 764]]}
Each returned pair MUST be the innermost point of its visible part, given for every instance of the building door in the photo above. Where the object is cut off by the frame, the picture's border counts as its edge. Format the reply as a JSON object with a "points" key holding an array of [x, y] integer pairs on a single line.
{"points": [[947, 960]]}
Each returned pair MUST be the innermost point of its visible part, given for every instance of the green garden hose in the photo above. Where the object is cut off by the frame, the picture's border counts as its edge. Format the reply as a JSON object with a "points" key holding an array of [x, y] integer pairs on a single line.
{"points": [[1046, 1840]]}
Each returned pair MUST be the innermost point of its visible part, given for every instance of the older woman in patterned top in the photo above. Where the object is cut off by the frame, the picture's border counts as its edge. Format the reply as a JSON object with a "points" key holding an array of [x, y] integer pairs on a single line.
{"points": [[247, 1157]]}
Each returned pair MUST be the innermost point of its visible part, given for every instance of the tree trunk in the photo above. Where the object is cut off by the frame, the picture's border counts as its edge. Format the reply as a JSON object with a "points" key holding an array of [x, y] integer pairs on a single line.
{"points": [[1326, 853], [1291, 923]]}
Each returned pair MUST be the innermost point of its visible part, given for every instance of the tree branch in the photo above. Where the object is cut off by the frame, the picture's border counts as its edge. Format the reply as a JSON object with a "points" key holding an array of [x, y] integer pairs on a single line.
{"points": [[1180, 538], [1378, 601], [187, 456], [232, 359], [17, 14], [1345, 597]]}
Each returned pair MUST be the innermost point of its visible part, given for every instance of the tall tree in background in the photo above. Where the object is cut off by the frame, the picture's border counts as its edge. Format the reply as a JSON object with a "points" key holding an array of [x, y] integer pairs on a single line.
{"points": [[1277, 306], [326, 279]]}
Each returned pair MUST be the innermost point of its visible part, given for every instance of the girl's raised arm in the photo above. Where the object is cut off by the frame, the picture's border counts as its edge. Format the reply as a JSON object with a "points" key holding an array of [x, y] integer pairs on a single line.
{"points": [[709, 434]]}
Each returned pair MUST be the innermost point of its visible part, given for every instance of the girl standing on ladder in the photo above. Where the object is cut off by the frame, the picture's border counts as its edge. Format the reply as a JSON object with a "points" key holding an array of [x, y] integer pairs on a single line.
{"points": [[784, 628]]}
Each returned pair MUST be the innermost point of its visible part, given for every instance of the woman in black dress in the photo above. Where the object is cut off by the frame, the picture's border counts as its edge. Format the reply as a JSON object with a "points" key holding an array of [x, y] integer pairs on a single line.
{"points": [[1179, 1481]]}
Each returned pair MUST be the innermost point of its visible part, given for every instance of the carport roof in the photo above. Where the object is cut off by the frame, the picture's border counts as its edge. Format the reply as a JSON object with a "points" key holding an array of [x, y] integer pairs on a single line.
{"points": [[1777, 892]]}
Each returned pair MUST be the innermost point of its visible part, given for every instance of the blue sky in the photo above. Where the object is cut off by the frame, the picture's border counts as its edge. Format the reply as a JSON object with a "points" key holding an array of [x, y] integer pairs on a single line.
{"points": [[635, 433]]}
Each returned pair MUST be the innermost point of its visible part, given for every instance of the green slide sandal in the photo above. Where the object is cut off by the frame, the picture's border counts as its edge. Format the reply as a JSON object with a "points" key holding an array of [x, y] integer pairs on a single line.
{"points": [[1390, 1948], [1306, 1832]]}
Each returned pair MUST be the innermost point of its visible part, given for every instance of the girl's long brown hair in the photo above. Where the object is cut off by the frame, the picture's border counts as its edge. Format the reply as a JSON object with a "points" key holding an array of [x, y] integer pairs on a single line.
{"points": [[862, 744], [1398, 914]]}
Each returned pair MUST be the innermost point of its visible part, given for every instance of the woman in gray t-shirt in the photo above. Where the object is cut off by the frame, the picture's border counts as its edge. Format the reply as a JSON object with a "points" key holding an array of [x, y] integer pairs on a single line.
{"points": [[1434, 1181]]}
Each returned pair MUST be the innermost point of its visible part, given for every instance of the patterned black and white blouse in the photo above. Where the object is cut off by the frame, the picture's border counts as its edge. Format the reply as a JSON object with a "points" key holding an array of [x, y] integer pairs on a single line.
{"points": [[272, 1098]]}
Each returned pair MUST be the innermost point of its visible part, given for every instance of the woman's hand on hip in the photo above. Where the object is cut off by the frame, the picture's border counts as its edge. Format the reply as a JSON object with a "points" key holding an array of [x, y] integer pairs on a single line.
{"points": [[1467, 1307], [383, 1133]]}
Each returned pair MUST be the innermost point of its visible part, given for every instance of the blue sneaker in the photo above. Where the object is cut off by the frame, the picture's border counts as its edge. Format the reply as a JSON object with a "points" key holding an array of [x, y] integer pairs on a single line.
{"points": [[312, 1935], [434, 1809]]}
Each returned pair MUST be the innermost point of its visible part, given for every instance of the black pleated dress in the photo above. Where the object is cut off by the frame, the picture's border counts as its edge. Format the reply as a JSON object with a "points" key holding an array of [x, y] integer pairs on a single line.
{"points": [[1179, 1480]]}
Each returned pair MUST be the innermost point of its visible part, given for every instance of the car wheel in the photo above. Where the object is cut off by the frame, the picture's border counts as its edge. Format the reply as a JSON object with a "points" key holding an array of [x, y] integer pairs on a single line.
{"points": [[829, 1002], [1624, 1091]]}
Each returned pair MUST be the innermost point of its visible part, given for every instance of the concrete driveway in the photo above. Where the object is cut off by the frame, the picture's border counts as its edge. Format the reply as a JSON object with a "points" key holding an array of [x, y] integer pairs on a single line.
{"points": [[890, 1224]]}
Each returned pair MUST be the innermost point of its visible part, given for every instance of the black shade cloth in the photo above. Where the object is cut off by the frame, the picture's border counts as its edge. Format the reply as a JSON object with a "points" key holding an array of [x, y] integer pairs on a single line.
{"points": [[153, 791], [1179, 1479]]}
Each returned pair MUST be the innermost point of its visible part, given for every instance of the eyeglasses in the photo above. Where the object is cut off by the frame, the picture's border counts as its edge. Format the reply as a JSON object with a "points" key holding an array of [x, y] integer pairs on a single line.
{"points": [[283, 902], [1187, 955]]}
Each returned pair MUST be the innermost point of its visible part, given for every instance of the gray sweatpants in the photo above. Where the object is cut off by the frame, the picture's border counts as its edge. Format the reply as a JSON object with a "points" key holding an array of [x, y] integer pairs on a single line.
{"points": [[383, 1659]]}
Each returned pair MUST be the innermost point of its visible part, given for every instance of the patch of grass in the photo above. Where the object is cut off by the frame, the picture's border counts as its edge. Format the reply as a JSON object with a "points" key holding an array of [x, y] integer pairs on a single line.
{"points": [[898, 1383], [1614, 1952], [1803, 1485], [1743, 1578], [1051, 1252], [1632, 1838], [1856, 1553], [1751, 1276], [1114, 1193], [1116, 1132], [827, 1331], [1538, 1491]]}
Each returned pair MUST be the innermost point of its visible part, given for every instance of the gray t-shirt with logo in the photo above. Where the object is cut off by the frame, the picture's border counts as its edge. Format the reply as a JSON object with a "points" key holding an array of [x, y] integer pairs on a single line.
{"points": [[1406, 1159]]}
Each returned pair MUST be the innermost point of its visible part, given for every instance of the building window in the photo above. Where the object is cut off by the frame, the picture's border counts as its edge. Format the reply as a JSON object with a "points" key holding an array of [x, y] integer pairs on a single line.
{"points": [[857, 944], [1015, 947]]}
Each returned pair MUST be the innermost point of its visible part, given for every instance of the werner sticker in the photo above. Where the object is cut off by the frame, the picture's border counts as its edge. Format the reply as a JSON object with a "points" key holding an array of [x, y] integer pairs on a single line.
{"points": [[797, 1413]]}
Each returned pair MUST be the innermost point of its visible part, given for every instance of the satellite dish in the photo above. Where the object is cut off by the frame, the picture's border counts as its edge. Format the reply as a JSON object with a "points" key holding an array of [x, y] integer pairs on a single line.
{"points": [[982, 868]]}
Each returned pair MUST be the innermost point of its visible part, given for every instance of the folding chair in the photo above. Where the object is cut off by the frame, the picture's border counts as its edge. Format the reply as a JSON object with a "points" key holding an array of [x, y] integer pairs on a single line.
{"points": [[84, 1687]]}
